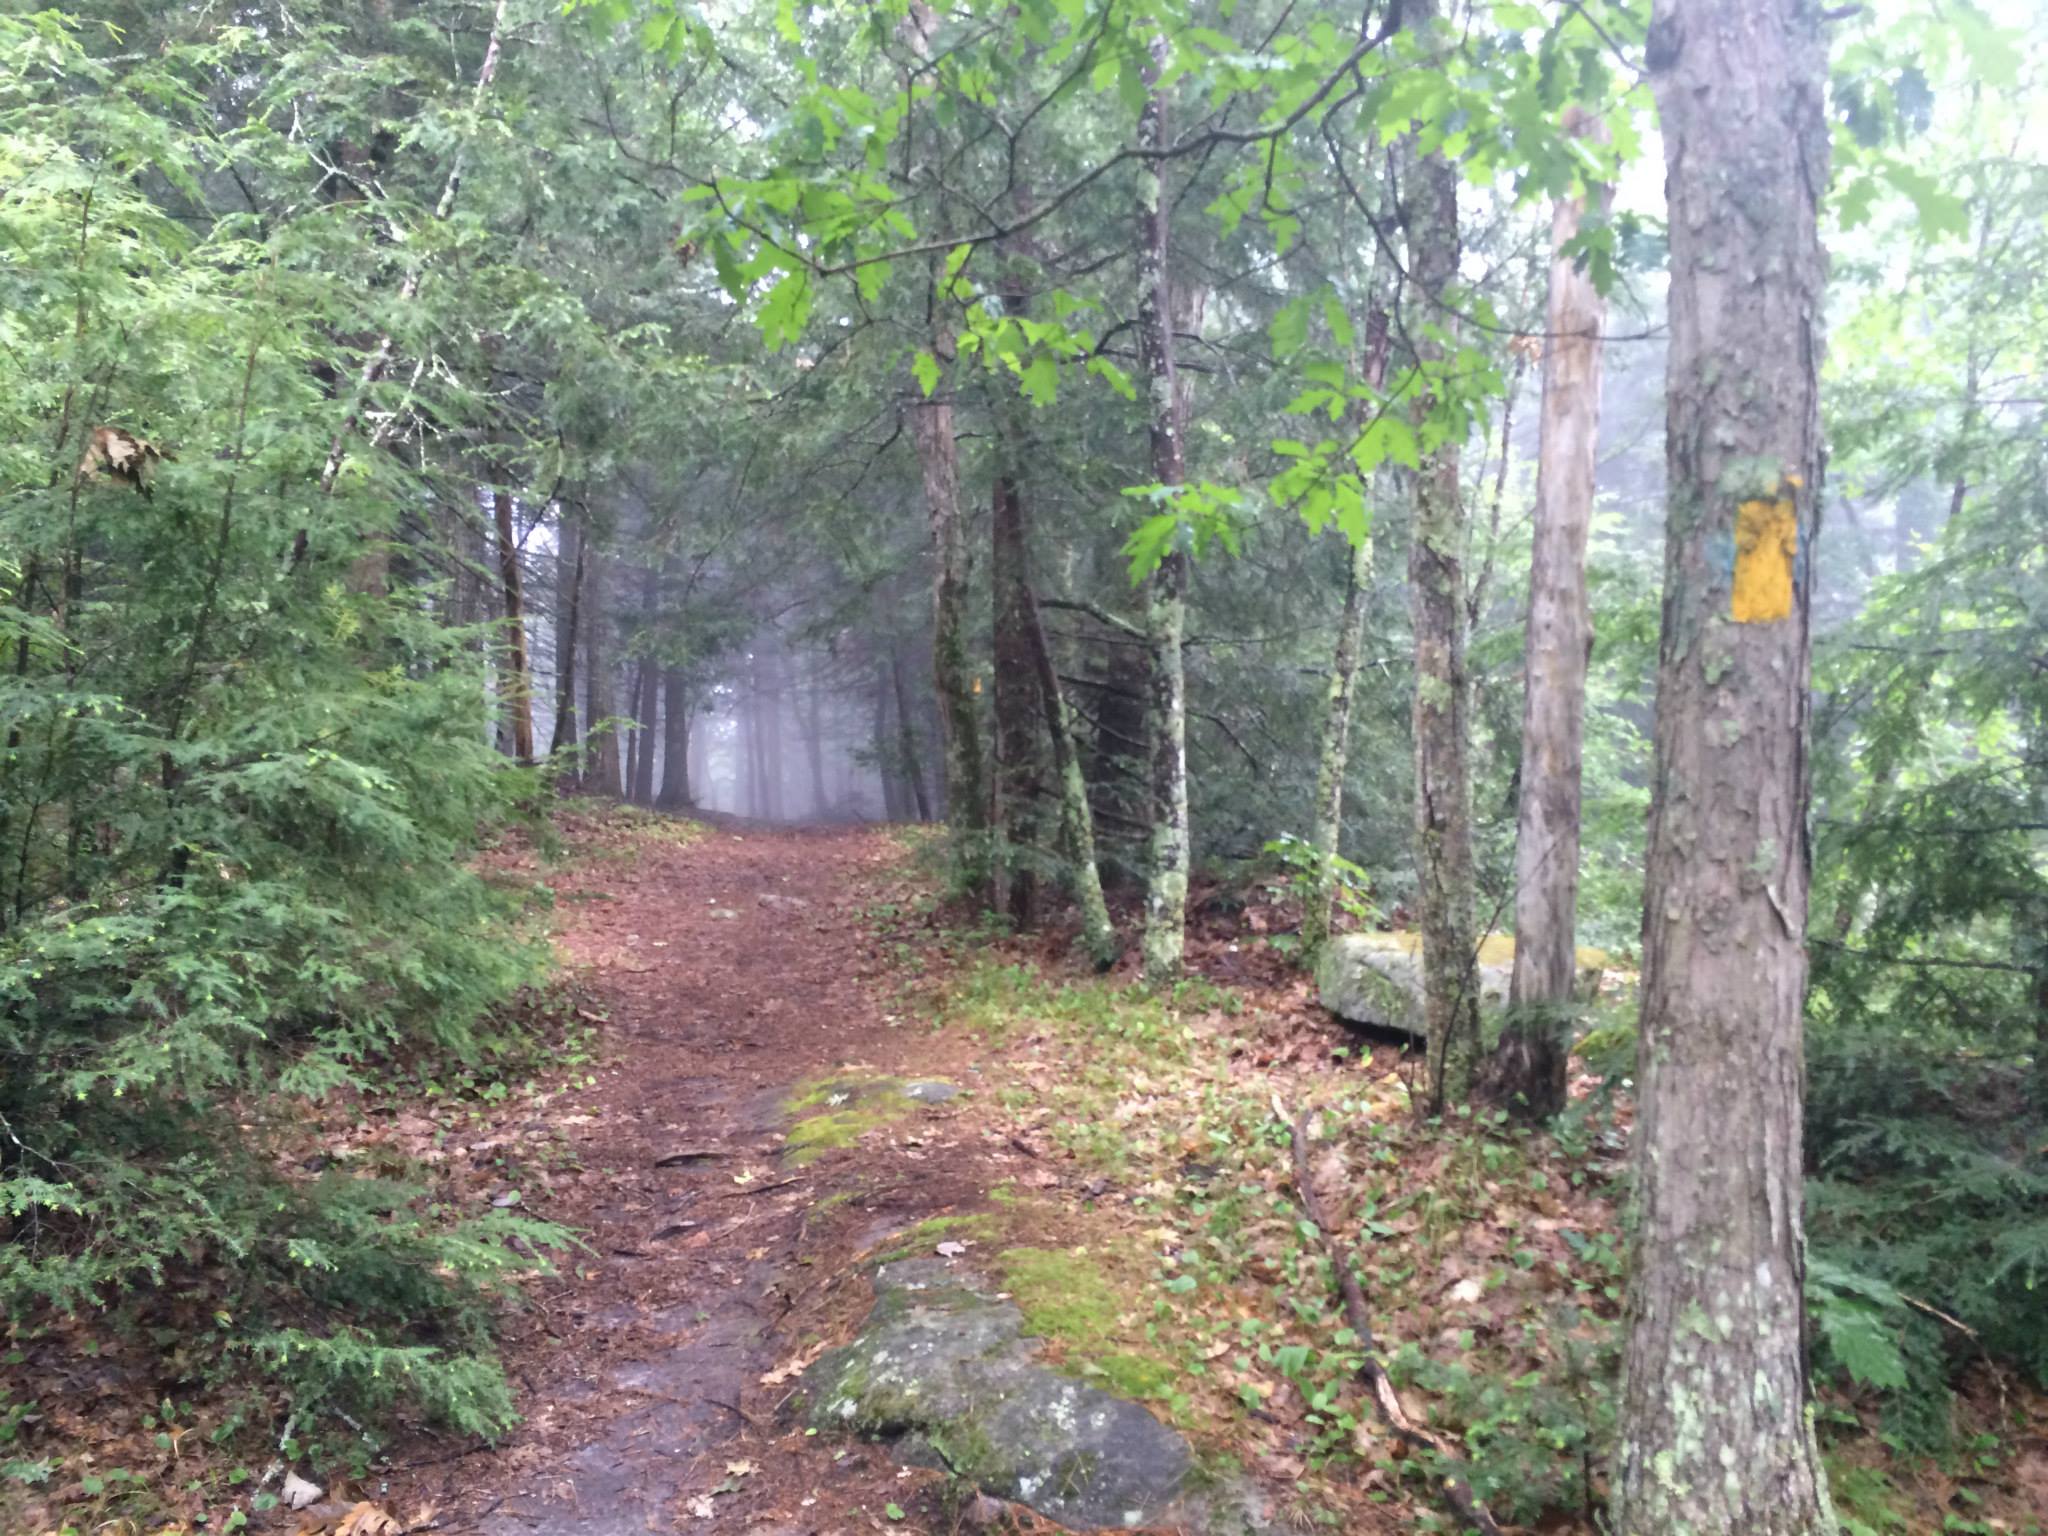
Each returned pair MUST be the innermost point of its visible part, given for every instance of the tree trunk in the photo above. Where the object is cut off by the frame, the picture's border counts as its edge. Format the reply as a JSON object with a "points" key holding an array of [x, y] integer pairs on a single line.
{"points": [[1436, 598], [646, 691], [1166, 892], [1020, 738], [604, 776], [1715, 1436], [675, 742], [906, 740], [1077, 819], [518, 699], [1334, 757], [568, 600], [1527, 1073], [938, 458]]}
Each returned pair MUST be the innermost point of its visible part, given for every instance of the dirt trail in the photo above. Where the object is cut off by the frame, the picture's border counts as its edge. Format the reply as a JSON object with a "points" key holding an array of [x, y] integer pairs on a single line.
{"points": [[728, 969]]}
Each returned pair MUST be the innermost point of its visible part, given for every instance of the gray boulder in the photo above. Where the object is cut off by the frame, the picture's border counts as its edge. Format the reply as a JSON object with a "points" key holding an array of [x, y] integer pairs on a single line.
{"points": [[947, 1373], [1375, 979]]}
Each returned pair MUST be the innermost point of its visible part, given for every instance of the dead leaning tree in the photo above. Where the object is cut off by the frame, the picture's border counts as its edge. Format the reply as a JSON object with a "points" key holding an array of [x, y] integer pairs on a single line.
{"points": [[1451, 1480]]}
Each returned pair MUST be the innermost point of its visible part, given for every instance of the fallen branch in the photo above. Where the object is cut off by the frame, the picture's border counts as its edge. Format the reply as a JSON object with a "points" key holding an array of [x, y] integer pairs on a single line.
{"points": [[1372, 1371]]}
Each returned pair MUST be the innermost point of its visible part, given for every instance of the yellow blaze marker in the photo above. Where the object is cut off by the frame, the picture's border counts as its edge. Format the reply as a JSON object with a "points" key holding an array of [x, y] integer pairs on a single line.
{"points": [[1766, 545]]}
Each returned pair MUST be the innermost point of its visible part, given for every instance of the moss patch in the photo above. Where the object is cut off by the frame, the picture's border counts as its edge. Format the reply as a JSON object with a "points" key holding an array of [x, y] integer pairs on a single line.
{"points": [[1074, 1305], [829, 1113]]}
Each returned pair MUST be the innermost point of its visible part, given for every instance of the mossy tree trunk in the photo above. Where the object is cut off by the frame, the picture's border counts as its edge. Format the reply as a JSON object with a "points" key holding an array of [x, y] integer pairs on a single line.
{"points": [[938, 458], [1527, 1072], [1166, 892], [1715, 1434], [1436, 597]]}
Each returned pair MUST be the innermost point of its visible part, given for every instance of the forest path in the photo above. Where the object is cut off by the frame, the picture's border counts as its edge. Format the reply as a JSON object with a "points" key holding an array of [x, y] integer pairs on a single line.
{"points": [[729, 969]]}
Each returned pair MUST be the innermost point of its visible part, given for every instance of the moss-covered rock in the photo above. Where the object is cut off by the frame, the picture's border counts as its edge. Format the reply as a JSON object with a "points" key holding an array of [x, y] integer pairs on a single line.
{"points": [[951, 1374], [834, 1112]]}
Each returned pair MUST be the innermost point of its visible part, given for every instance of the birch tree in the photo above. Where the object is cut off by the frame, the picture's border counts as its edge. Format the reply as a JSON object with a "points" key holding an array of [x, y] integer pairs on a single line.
{"points": [[1715, 1432], [1166, 892], [1528, 1067]]}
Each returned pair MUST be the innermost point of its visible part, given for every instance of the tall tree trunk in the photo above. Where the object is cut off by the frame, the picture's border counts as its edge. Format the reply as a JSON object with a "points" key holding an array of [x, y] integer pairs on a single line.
{"points": [[1020, 738], [568, 601], [675, 741], [1334, 756], [1715, 1433], [604, 776], [1527, 1073], [1436, 597], [938, 458], [906, 740], [1166, 891], [771, 738]]}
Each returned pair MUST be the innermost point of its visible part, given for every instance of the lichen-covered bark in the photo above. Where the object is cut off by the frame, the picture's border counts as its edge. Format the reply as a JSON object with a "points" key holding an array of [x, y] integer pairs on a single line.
{"points": [[1715, 1433], [1436, 599], [1166, 891], [1335, 751], [1527, 1073]]}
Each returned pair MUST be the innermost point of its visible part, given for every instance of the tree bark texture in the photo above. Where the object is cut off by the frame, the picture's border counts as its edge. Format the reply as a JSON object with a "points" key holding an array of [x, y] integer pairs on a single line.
{"points": [[1715, 1433], [1166, 891], [1527, 1073], [1443, 689], [1021, 748]]}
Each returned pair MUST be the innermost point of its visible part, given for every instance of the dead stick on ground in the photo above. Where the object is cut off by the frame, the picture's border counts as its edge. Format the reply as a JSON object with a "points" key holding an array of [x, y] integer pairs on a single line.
{"points": [[1372, 1371]]}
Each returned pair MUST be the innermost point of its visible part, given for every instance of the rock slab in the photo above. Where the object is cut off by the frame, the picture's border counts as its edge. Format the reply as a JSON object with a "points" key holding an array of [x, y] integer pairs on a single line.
{"points": [[947, 1373], [1375, 979]]}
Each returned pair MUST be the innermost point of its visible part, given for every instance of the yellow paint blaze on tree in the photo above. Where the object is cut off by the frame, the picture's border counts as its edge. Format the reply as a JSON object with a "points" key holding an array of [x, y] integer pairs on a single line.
{"points": [[1766, 544]]}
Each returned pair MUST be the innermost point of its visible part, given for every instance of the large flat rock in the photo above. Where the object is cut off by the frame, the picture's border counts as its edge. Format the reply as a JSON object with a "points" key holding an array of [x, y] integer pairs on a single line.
{"points": [[1375, 979], [946, 1372]]}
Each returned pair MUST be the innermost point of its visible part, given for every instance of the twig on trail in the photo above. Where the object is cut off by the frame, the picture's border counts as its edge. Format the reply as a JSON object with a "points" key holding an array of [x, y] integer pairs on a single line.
{"points": [[1372, 1371], [760, 1189]]}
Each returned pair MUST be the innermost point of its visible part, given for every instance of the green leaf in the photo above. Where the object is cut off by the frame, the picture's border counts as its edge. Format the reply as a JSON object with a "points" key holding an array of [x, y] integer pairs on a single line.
{"points": [[926, 367]]}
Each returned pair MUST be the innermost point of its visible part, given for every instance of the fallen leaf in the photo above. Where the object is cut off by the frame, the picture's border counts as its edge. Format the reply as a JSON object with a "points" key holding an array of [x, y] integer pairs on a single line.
{"points": [[701, 1508], [740, 1469], [368, 1520], [951, 1250], [298, 1493]]}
